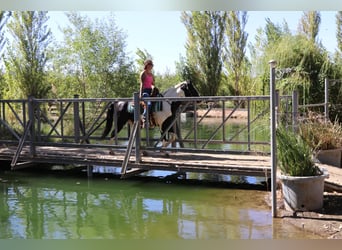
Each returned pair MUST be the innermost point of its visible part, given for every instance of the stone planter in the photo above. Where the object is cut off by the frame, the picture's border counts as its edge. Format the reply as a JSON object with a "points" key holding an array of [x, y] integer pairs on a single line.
{"points": [[303, 193], [331, 157]]}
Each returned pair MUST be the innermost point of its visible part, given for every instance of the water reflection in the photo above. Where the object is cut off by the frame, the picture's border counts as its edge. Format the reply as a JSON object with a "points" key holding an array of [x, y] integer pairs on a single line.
{"points": [[59, 207]]}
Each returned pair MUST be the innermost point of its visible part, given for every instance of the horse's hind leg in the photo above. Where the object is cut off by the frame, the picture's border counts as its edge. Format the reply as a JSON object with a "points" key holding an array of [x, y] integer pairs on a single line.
{"points": [[120, 124]]}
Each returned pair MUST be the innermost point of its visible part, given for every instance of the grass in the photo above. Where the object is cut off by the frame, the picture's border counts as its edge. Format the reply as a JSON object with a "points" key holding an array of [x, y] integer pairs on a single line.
{"points": [[294, 155]]}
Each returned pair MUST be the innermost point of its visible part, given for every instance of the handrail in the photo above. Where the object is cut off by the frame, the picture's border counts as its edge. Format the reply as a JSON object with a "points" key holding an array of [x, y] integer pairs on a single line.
{"points": [[60, 125]]}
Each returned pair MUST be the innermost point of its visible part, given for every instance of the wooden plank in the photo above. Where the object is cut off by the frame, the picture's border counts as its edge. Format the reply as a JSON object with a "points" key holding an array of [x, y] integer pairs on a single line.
{"points": [[241, 164]]}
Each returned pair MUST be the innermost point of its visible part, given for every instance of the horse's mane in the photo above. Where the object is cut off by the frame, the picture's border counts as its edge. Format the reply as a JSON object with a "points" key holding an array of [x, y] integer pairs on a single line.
{"points": [[178, 85]]}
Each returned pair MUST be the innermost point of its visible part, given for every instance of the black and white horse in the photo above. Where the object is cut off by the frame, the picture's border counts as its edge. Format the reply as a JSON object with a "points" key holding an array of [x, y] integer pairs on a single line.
{"points": [[163, 118]]}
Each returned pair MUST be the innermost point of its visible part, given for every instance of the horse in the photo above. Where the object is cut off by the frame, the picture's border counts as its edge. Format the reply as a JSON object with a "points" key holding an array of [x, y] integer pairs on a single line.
{"points": [[163, 118]]}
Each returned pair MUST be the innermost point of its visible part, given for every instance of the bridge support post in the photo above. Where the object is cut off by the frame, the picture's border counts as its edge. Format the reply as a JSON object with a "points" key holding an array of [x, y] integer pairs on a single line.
{"points": [[77, 120], [273, 138], [136, 99], [31, 111]]}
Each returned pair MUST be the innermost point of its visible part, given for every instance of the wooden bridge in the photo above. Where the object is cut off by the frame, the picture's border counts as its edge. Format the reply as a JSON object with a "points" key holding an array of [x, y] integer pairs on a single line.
{"points": [[32, 132]]}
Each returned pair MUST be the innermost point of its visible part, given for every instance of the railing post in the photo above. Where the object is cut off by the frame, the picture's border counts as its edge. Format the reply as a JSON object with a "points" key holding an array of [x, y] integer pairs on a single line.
{"points": [[295, 110], [31, 111], [137, 119], [273, 138], [77, 119], [277, 108], [326, 99], [249, 123]]}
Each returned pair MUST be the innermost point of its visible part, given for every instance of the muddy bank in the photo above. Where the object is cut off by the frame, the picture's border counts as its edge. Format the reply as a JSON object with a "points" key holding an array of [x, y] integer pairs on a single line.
{"points": [[326, 223]]}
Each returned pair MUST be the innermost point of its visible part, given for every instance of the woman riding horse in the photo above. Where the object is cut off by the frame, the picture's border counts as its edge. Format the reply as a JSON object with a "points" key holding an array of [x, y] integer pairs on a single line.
{"points": [[163, 118]]}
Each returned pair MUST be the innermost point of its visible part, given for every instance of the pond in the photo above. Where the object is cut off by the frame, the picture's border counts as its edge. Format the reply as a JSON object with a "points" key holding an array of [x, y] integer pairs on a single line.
{"points": [[56, 205], [66, 204]]}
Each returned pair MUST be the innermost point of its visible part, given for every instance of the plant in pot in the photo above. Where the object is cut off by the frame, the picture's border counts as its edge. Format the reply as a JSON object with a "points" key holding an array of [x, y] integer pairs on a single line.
{"points": [[324, 137], [302, 180]]}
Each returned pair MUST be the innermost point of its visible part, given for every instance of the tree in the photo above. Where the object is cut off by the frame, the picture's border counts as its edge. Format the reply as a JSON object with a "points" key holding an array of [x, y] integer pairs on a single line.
{"points": [[4, 15], [236, 48], [92, 59], [261, 53], [307, 63], [142, 56], [309, 24], [339, 30], [205, 30], [27, 57]]}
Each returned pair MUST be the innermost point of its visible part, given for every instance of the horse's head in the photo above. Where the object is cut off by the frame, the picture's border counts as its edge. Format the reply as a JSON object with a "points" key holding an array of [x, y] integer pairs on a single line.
{"points": [[187, 89]]}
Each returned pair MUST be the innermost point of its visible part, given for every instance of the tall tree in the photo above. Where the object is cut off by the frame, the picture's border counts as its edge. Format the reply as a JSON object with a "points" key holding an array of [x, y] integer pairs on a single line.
{"points": [[142, 56], [339, 30], [309, 24], [205, 42], [236, 47], [93, 60], [27, 57], [4, 15]]}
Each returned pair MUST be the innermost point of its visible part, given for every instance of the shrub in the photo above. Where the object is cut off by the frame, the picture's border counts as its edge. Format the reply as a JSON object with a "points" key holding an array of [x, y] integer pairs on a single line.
{"points": [[321, 134]]}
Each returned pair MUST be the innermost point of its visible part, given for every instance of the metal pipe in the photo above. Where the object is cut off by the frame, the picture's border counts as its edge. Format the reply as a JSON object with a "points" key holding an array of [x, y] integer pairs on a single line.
{"points": [[273, 138], [137, 120], [326, 99]]}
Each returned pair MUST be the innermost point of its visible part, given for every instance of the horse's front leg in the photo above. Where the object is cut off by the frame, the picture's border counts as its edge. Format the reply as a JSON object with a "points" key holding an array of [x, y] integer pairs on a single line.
{"points": [[111, 142], [172, 138]]}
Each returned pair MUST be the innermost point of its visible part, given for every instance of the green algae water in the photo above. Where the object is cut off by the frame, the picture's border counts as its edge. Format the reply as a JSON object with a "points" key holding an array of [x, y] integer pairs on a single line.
{"points": [[58, 206]]}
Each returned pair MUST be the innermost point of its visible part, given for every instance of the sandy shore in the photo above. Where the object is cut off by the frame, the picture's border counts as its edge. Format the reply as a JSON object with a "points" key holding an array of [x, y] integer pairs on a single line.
{"points": [[217, 113]]}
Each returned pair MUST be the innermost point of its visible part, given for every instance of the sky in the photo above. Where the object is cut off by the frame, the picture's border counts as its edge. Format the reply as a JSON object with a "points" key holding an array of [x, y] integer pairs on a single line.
{"points": [[163, 35]]}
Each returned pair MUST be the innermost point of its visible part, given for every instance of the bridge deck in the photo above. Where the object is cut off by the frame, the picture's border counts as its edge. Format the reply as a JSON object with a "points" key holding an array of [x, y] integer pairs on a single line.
{"points": [[233, 164]]}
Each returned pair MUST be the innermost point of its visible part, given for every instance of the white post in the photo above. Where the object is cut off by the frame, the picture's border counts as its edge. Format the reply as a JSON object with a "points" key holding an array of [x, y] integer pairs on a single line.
{"points": [[273, 138]]}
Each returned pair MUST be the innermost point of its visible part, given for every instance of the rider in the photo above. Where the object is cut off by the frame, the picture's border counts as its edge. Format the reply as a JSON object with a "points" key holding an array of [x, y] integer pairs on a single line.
{"points": [[146, 86]]}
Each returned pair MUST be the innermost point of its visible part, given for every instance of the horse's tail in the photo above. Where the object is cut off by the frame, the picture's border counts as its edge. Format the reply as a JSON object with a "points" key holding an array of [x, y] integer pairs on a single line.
{"points": [[109, 121]]}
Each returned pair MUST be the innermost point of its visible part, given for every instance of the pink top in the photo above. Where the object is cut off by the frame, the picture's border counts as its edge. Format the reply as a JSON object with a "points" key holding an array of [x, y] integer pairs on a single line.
{"points": [[148, 81]]}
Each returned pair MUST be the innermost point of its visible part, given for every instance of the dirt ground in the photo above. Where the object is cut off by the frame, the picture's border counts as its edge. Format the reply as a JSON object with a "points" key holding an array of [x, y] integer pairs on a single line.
{"points": [[326, 223]]}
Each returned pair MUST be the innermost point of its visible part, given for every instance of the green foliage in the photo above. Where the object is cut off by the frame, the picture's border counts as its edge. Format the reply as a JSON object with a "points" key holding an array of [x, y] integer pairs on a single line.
{"points": [[4, 15], [143, 55], [294, 155], [92, 60], [262, 52], [235, 56], [309, 24], [309, 63], [339, 30], [204, 47], [27, 58]]}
